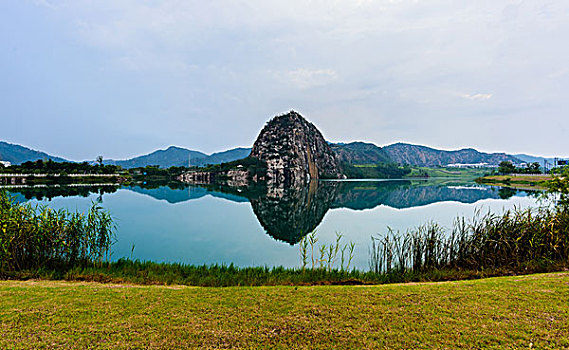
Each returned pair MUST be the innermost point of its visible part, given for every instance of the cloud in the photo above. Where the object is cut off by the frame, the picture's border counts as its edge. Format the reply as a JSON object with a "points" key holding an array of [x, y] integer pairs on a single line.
{"points": [[476, 97], [303, 78], [560, 73], [388, 61], [45, 3]]}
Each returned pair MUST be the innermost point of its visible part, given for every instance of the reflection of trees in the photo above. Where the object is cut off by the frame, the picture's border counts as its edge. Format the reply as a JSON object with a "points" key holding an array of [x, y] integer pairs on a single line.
{"points": [[506, 192], [50, 192], [287, 214]]}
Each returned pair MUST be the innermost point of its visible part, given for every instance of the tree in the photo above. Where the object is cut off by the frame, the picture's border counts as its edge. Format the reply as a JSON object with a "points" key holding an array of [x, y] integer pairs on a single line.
{"points": [[506, 167], [560, 185], [99, 160], [533, 168]]}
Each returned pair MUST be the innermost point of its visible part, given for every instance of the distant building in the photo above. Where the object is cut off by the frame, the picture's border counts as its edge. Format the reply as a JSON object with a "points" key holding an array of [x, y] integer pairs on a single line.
{"points": [[474, 165], [5, 163]]}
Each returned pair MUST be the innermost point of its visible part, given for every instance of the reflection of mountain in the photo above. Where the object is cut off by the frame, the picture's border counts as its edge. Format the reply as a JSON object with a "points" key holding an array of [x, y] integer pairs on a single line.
{"points": [[418, 196], [364, 195], [184, 194], [288, 214], [356, 195], [404, 194]]}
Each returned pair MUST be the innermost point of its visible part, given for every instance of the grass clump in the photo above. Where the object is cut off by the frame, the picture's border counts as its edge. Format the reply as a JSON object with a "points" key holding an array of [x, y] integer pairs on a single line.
{"points": [[328, 253], [513, 241], [38, 237]]}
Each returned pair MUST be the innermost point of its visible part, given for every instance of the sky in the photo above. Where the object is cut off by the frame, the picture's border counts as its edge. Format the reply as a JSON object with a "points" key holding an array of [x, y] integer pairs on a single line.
{"points": [[119, 78]]}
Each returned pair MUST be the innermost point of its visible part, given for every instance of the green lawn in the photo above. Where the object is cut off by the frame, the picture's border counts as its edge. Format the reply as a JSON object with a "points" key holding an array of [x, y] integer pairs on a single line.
{"points": [[508, 312]]}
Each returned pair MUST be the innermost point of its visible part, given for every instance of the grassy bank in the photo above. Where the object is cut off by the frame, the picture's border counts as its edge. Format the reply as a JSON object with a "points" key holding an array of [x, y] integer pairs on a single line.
{"points": [[507, 312], [518, 181], [151, 273]]}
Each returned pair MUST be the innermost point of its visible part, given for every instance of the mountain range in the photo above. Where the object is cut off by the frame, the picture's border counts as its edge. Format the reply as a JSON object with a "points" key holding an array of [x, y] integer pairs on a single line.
{"points": [[17, 154], [353, 152], [534, 159], [177, 156], [404, 153]]}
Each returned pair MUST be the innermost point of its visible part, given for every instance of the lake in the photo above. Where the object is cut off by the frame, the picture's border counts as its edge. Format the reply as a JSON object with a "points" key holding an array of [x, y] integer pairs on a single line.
{"points": [[262, 227]]}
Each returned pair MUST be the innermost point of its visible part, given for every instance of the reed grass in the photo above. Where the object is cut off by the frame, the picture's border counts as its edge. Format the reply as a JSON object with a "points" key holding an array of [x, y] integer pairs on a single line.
{"points": [[328, 253], [34, 237], [511, 241]]}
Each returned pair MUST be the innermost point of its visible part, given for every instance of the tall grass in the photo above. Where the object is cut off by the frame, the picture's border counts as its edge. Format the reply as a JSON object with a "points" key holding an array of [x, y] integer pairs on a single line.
{"points": [[33, 237], [512, 240], [328, 253]]}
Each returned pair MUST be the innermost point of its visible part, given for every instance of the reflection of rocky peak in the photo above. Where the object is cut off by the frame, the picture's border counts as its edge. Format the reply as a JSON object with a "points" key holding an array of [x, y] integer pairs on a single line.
{"points": [[294, 151], [289, 213]]}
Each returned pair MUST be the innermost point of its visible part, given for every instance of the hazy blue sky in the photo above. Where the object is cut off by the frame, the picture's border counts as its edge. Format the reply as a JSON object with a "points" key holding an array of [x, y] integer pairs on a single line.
{"points": [[80, 78]]}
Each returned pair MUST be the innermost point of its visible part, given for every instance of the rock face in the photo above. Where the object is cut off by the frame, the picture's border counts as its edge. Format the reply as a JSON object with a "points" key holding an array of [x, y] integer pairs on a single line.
{"points": [[294, 151]]}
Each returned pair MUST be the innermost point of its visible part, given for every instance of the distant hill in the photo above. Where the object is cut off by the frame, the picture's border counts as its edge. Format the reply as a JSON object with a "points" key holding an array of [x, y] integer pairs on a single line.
{"points": [[17, 154], [405, 153], [223, 157], [532, 159], [360, 153], [172, 156], [177, 156]]}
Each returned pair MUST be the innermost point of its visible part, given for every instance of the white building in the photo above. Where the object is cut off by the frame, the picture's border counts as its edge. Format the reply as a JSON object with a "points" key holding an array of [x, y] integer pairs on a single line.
{"points": [[475, 165], [4, 163]]}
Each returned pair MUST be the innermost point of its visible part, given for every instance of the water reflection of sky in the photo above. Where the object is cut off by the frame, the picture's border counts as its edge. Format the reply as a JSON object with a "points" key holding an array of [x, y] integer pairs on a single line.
{"points": [[201, 226]]}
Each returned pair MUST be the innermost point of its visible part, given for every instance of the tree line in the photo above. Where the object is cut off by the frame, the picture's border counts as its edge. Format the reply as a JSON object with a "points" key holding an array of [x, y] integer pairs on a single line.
{"points": [[50, 167], [507, 167]]}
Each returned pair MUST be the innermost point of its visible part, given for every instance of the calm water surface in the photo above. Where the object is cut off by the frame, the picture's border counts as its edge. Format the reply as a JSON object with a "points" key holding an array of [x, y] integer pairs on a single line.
{"points": [[258, 227]]}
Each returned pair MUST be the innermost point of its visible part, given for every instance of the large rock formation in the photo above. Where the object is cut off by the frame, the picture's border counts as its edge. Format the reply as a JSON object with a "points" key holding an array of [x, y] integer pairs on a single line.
{"points": [[294, 151]]}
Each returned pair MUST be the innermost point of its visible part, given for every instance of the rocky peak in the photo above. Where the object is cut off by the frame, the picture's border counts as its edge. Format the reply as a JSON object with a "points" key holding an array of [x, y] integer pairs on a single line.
{"points": [[294, 150]]}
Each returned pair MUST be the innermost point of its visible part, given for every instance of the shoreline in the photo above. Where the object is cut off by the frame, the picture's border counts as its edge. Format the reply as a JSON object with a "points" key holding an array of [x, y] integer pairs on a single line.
{"points": [[517, 181]]}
